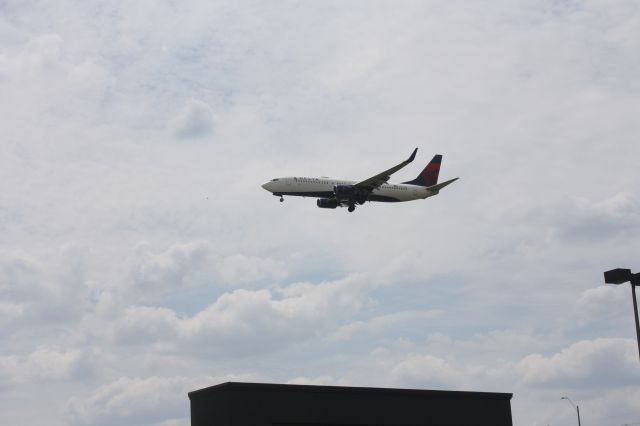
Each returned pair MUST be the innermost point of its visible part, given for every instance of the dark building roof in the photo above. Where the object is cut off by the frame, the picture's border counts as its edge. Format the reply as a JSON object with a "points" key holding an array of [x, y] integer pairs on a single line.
{"points": [[260, 404]]}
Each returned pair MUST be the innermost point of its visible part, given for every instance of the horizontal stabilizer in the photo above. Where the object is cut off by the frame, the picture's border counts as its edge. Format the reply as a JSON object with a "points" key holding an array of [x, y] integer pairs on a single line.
{"points": [[438, 187]]}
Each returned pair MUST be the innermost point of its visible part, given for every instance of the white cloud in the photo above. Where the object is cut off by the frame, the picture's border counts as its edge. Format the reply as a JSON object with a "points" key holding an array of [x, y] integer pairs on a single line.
{"points": [[46, 364], [382, 324], [426, 371], [9, 311], [134, 401], [244, 322], [241, 269], [145, 325], [620, 404], [143, 401], [38, 293], [19, 277], [585, 220], [605, 301], [594, 373], [600, 362], [47, 83], [195, 120], [155, 273], [318, 381], [172, 268], [176, 422], [534, 104], [497, 346]]}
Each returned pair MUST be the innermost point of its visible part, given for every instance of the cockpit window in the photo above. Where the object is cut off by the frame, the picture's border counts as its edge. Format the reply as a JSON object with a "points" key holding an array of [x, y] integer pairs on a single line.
{"points": [[274, 180]]}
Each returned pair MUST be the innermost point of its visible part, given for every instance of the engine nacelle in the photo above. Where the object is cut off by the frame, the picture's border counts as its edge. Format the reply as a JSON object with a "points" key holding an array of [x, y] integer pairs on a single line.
{"points": [[327, 203]]}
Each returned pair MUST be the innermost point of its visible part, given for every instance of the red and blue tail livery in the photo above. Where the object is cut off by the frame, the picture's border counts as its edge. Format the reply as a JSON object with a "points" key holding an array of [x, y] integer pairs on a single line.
{"points": [[428, 176], [333, 193]]}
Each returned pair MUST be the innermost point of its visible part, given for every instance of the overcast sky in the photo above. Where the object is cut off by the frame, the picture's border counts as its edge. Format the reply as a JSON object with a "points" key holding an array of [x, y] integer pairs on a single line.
{"points": [[140, 259]]}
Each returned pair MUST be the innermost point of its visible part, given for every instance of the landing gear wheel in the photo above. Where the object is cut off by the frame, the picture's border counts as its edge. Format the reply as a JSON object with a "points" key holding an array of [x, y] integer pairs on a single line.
{"points": [[351, 208], [281, 199]]}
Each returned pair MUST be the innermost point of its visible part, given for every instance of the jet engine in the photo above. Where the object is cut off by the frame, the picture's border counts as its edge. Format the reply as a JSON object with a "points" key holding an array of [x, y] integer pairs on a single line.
{"points": [[327, 203]]}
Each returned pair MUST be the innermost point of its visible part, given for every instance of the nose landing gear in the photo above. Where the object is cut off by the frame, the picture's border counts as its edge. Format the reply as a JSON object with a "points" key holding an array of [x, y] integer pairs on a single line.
{"points": [[351, 208], [281, 198]]}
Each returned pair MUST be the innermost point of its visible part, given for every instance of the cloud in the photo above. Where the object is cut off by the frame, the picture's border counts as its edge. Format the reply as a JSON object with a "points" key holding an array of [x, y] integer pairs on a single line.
{"points": [[169, 269], [318, 381], [534, 104], [140, 401], [196, 263], [426, 371], [605, 301], [146, 325], [37, 293], [599, 362], [46, 364], [593, 372], [19, 278], [445, 363], [497, 346], [584, 220], [195, 121], [246, 322], [382, 324], [39, 74], [619, 404], [239, 269]]}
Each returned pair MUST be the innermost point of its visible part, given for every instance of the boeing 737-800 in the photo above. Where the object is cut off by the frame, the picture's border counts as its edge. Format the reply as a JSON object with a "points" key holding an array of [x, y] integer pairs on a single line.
{"points": [[334, 193]]}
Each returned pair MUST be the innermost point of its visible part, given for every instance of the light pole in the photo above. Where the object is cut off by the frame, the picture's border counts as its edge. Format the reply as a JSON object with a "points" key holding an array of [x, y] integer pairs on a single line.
{"points": [[577, 408], [620, 276]]}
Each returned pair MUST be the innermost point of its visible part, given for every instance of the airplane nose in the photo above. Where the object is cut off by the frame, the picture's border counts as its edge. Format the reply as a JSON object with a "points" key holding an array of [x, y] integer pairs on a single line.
{"points": [[266, 186]]}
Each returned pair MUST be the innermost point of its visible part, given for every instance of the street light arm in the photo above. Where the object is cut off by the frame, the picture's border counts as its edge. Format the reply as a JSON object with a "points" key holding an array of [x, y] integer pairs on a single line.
{"points": [[574, 406]]}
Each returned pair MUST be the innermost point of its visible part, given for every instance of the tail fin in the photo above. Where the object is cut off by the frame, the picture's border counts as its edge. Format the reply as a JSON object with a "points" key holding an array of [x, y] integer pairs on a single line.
{"points": [[429, 176]]}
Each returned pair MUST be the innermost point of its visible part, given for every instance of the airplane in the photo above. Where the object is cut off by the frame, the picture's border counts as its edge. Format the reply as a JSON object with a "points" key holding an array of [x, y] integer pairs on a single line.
{"points": [[333, 193]]}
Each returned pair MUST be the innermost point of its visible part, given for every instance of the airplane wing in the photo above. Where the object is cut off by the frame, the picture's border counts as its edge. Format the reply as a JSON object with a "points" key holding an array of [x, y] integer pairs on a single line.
{"points": [[377, 180]]}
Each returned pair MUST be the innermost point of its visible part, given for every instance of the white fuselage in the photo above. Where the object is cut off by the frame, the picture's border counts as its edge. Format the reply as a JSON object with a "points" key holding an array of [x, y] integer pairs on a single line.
{"points": [[323, 187]]}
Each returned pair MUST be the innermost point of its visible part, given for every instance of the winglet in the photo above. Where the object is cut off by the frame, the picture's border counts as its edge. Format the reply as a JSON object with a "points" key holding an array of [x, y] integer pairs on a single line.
{"points": [[413, 155], [377, 180]]}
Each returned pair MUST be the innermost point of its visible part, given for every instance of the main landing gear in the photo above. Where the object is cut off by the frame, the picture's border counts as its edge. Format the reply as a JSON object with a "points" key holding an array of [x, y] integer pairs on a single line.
{"points": [[351, 208]]}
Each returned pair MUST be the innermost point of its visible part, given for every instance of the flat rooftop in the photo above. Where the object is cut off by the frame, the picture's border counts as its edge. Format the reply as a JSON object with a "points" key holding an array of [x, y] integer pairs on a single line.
{"points": [[262, 404]]}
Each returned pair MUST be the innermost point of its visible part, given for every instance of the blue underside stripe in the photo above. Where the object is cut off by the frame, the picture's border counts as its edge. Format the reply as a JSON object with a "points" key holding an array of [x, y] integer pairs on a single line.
{"points": [[329, 194]]}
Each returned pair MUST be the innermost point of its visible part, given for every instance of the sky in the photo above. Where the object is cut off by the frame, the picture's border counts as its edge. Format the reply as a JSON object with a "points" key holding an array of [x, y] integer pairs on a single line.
{"points": [[140, 259]]}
